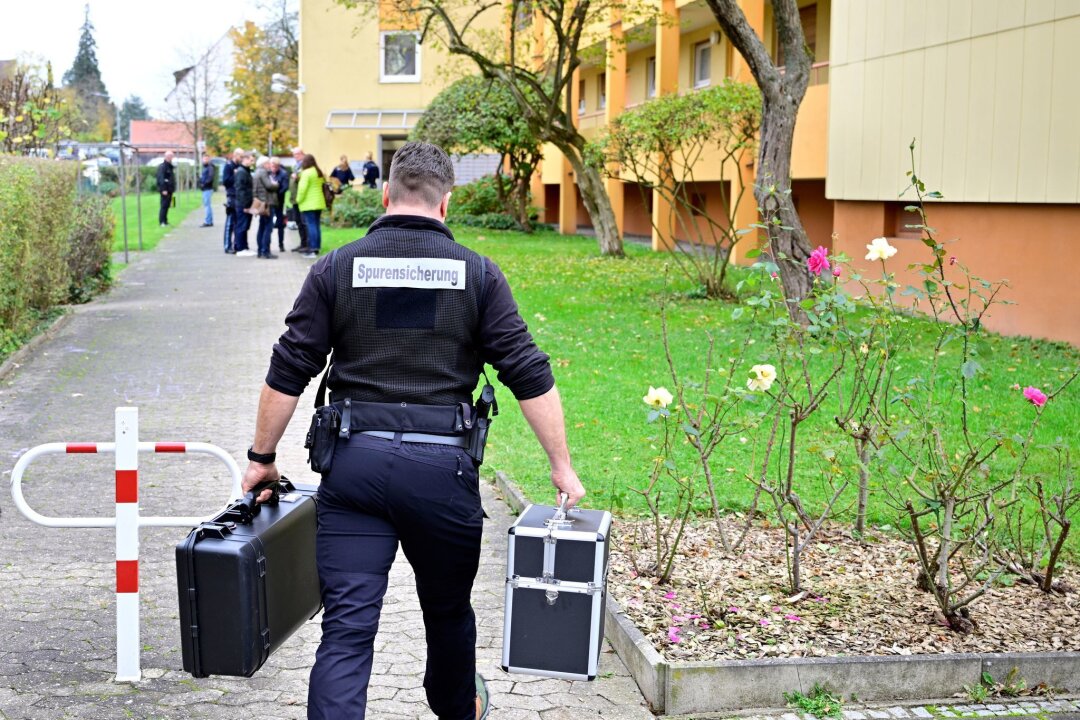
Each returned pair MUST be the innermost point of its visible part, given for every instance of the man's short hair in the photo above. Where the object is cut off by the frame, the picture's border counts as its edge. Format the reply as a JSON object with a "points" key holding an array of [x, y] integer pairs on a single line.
{"points": [[297, 149], [420, 174]]}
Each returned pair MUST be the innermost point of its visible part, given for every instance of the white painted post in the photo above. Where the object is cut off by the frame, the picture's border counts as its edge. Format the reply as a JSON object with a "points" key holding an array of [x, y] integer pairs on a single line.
{"points": [[127, 545]]}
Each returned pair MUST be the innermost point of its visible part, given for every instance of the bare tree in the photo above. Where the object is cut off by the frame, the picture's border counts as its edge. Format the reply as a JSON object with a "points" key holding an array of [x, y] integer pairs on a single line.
{"points": [[782, 91], [535, 56], [200, 90]]}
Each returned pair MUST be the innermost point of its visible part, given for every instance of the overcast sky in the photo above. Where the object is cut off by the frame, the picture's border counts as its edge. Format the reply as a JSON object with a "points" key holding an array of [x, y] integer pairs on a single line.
{"points": [[139, 42]]}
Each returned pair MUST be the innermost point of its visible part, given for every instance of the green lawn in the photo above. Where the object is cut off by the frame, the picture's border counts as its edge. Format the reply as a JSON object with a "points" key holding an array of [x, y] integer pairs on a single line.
{"points": [[186, 203], [598, 319]]}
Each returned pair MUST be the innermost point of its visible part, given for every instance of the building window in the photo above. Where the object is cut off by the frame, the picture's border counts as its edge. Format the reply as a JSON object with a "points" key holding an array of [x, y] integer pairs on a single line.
{"points": [[601, 90], [399, 57], [581, 97], [897, 220], [650, 77], [702, 64]]}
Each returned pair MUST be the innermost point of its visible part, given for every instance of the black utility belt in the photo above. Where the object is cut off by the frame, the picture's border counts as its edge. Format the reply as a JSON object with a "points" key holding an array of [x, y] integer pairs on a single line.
{"points": [[461, 425]]}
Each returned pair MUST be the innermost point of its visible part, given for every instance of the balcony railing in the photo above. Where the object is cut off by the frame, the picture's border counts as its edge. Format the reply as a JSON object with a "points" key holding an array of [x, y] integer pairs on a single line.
{"points": [[819, 73]]}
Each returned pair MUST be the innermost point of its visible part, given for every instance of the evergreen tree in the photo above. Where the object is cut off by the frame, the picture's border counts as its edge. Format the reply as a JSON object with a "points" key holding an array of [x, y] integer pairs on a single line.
{"points": [[84, 77], [133, 109]]}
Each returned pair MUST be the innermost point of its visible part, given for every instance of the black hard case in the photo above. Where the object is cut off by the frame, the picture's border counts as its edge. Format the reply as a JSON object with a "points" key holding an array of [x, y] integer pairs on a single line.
{"points": [[245, 587], [556, 580]]}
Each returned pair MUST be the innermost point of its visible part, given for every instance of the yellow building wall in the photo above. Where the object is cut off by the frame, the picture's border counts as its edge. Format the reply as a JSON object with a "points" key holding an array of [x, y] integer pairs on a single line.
{"points": [[339, 69], [986, 88]]}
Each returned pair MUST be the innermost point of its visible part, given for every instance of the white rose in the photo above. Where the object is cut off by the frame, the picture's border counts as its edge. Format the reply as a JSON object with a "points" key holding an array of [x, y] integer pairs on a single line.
{"points": [[761, 377], [658, 397], [880, 249]]}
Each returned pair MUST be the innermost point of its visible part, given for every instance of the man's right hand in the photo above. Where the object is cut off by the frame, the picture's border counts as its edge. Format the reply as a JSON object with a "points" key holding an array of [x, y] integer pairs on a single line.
{"points": [[566, 482]]}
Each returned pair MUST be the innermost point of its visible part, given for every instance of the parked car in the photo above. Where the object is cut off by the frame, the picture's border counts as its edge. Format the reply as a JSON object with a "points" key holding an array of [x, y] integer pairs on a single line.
{"points": [[154, 162]]}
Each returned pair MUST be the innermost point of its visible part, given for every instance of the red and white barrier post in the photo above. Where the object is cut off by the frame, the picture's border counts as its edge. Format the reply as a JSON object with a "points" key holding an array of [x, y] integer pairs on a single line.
{"points": [[127, 520]]}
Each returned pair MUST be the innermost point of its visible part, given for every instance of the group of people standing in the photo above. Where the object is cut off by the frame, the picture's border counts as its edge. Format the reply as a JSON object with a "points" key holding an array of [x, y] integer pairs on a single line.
{"points": [[261, 187]]}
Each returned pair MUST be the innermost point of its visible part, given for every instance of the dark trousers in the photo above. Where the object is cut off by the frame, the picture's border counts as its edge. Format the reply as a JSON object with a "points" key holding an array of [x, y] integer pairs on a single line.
{"points": [[380, 492], [262, 235], [310, 218], [279, 222], [300, 226], [163, 212], [240, 230], [230, 220]]}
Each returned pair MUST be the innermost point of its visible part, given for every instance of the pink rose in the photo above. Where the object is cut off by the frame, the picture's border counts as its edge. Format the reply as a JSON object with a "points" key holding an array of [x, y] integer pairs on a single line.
{"points": [[836, 271], [818, 260], [1035, 396]]}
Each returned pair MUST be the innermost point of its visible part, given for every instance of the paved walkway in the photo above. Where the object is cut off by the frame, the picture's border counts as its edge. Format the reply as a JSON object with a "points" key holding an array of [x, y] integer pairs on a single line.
{"points": [[185, 337]]}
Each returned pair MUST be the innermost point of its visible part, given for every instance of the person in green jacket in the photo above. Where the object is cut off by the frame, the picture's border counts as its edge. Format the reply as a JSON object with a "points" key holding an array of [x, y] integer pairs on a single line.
{"points": [[309, 198]]}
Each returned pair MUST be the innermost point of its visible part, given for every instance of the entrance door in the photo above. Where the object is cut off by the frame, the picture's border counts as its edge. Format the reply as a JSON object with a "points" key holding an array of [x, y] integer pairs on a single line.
{"points": [[390, 144]]}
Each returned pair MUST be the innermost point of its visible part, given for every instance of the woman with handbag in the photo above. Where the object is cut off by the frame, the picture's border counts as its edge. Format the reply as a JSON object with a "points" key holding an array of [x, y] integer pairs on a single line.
{"points": [[266, 197]]}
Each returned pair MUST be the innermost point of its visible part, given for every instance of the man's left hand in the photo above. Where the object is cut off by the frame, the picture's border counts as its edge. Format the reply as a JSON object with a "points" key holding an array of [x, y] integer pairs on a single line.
{"points": [[257, 473]]}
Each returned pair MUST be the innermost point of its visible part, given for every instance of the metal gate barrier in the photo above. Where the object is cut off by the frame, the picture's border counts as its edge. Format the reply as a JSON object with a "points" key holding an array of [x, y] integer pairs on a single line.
{"points": [[127, 520]]}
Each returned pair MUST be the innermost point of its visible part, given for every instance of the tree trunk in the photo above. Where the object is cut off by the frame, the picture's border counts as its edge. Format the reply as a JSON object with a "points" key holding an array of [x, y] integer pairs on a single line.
{"points": [[781, 95], [788, 241], [597, 203]]}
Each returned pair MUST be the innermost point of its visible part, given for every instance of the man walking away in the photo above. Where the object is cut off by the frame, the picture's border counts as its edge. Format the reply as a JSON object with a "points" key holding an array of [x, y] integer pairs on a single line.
{"points": [[228, 177], [281, 176], [206, 184], [407, 356], [370, 171], [294, 186], [166, 183]]}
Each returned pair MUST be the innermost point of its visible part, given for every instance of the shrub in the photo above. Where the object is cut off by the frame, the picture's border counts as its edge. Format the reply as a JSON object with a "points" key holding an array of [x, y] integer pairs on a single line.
{"points": [[355, 209], [108, 188], [36, 209], [88, 247], [480, 197], [491, 221]]}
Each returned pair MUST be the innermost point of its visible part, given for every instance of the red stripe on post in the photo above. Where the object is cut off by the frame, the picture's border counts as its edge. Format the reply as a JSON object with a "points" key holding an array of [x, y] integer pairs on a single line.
{"points": [[170, 447], [82, 447], [127, 486], [127, 576]]}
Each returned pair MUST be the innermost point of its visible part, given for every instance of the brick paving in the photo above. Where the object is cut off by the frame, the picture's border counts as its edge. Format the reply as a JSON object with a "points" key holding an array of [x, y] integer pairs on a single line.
{"points": [[185, 337]]}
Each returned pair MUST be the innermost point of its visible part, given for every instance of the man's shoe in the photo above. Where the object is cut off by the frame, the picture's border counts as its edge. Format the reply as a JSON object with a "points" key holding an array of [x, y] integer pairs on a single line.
{"points": [[483, 702], [270, 256], [300, 248], [230, 251]]}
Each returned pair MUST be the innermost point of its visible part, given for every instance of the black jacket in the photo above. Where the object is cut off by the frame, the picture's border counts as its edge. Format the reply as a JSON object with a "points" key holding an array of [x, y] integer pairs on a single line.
{"points": [[166, 178], [242, 187], [228, 177], [206, 179]]}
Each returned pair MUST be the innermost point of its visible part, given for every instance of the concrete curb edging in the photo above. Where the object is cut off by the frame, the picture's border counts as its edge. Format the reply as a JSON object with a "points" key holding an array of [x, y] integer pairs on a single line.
{"points": [[17, 357], [695, 687]]}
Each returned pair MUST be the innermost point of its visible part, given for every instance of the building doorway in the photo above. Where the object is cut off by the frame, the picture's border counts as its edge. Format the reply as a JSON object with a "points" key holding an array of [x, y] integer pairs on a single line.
{"points": [[388, 145]]}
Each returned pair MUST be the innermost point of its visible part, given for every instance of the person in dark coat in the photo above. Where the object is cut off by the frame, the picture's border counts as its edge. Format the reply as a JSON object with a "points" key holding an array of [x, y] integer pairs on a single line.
{"points": [[370, 171], [228, 177], [206, 184], [166, 183], [281, 176], [245, 193]]}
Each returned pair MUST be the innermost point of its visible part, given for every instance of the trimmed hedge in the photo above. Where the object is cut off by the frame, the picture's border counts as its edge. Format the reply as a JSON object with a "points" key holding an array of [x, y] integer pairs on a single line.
{"points": [[473, 205], [54, 244]]}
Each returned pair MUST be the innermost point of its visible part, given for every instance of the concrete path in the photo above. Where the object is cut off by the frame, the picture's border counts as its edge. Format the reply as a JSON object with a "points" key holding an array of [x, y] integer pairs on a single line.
{"points": [[185, 337]]}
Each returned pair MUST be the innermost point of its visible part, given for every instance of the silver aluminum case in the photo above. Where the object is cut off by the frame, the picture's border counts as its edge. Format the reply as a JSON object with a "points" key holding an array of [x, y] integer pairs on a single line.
{"points": [[596, 530]]}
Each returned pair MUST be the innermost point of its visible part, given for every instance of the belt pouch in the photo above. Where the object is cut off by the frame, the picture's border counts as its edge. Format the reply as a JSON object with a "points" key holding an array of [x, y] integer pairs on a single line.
{"points": [[322, 438]]}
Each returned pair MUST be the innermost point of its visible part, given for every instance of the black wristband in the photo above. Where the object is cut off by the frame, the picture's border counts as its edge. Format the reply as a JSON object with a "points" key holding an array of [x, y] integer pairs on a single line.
{"points": [[262, 458]]}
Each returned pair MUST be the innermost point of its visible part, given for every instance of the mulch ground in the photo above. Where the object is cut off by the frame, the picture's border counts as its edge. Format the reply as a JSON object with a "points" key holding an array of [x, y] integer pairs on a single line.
{"points": [[860, 599]]}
